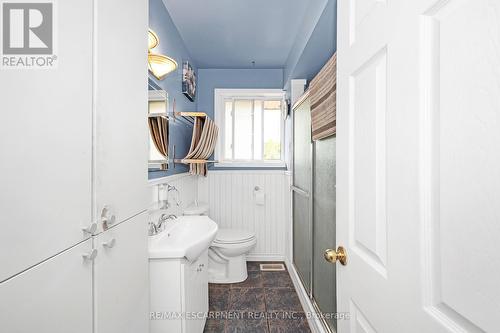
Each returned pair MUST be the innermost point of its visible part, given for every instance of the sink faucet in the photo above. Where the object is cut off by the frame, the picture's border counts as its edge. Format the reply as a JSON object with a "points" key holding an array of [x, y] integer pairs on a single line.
{"points": [[164, 218], [153, 229], [156, 228]]}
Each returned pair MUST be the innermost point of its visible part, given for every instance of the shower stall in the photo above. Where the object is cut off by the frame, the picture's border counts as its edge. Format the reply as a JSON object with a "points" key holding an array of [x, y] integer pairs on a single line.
{"points": [[313, 195]]}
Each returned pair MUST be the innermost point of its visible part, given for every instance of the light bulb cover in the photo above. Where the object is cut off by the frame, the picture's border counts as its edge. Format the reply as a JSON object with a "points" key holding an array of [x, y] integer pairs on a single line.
{"points": [[161, 65], [153, 39]]}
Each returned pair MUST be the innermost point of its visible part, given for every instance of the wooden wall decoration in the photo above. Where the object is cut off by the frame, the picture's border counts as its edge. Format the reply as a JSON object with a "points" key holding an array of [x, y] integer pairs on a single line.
{"points": [[323, 94]]}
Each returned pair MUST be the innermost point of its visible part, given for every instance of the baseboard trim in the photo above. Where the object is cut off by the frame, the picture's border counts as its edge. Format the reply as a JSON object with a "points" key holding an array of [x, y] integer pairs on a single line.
{"points": [[314, 322], [265, 257]]}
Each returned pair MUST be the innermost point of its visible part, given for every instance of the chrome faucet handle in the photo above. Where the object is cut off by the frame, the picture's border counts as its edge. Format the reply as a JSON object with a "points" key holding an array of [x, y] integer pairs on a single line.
{"points": [[162, 220], [165, 217], [153, 229]]}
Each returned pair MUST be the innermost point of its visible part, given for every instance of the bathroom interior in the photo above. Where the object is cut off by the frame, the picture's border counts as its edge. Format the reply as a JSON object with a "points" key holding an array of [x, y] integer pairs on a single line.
{"points": [[265, 161], [174, 167], [182, 162]]}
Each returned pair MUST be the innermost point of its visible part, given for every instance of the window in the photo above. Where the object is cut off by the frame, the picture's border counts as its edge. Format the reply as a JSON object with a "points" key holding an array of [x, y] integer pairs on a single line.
{"points": [[251, 127]]}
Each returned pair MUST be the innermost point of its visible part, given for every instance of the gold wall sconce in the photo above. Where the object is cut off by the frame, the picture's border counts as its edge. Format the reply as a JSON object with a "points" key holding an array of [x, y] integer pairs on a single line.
{"points": [[158, 64]]}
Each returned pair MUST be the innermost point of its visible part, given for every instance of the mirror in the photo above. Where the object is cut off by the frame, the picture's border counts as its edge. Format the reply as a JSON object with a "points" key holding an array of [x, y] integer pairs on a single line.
{"points": [[158, 129]]}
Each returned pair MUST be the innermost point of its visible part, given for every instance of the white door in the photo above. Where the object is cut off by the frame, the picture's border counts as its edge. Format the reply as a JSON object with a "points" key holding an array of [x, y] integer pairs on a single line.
{"points": [[418, 165], [121, 146], [52, 297], [46, 147], [121, 278]]}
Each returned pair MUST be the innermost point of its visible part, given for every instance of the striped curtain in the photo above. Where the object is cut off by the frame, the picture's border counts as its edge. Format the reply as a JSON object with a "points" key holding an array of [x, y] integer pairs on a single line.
{"points": [[203, 141], [323, 93], [158, 128]]}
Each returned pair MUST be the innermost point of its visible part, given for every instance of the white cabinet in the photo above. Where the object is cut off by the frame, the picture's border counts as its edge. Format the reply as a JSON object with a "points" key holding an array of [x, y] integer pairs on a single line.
{"points": [[195, 290], [46, 148], [121, 299], [121, 155], [121, 278], [121, 151], [179, 295], [74, 140], [53, 297]]}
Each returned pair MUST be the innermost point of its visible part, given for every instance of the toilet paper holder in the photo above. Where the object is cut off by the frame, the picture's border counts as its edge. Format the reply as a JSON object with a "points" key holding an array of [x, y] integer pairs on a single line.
{"points": [[259, 196]]}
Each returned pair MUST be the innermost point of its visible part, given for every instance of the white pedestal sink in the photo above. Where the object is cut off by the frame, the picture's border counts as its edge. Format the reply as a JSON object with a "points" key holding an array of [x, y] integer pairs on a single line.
{"points": [[178, 272], [185, 237]]}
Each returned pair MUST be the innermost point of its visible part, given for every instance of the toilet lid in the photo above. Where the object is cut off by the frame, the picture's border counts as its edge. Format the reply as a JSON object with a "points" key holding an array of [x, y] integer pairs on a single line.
{"points": [[231, 236]]}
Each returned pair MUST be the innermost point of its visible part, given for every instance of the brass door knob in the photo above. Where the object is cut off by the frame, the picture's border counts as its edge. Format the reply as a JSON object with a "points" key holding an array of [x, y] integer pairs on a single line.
{"points": [[333, 256]]}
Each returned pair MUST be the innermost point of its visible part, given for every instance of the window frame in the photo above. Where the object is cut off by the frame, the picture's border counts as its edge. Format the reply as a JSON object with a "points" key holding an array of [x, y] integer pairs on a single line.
{"points": [[220, 97]]}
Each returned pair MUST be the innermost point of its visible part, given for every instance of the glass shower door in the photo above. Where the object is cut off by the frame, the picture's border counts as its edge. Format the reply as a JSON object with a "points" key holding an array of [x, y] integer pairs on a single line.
{"points": [[324, 213], [301, 193], [314, 212]]}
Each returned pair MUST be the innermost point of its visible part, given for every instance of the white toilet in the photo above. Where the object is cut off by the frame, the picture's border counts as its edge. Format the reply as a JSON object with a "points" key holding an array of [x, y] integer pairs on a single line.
{"points": [[227, 262]]}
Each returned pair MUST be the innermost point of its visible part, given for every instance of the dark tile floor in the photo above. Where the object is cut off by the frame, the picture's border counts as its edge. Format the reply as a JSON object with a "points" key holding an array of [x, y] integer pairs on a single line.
{"points": [[266, 302]]}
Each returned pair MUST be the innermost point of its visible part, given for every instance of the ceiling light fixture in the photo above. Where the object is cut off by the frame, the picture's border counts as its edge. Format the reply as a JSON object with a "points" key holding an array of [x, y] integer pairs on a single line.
{"points": [[158, 64], [161, 65], [153, 39]]}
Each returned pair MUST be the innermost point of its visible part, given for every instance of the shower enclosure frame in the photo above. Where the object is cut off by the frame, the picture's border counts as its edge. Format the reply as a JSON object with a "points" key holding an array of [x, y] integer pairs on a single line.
{"points": [[310, 198], [303, 193]]}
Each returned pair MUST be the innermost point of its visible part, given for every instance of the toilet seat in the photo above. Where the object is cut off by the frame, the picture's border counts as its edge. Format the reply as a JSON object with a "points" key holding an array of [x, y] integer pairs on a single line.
{"points": [[233, 236]]}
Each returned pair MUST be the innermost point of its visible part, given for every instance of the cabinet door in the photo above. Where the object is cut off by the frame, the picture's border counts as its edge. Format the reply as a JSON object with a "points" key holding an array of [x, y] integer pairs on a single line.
{"points": [[52, 297], [121, 107], [196, 294], [121, 278], [166, 294], [46, 147]]}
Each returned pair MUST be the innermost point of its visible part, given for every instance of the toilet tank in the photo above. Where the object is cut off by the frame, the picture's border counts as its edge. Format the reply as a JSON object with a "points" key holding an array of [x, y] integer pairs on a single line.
{"points": [[196, 209]]}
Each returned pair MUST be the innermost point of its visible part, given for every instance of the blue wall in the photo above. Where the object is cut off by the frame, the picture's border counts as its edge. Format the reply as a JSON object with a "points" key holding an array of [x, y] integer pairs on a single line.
{"points": [[210, 79], [171, 44], [315, 43], [313, 46]]}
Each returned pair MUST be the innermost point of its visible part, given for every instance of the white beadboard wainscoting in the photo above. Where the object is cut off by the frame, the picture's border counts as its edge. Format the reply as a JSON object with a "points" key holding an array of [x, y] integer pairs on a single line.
{"points": [[230, 195]]}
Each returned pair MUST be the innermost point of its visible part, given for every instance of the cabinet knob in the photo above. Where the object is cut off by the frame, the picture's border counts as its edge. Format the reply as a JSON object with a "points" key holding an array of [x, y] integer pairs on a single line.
{"points": [[90, 256], [109, 244], [91, 228], [107, 218]]}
